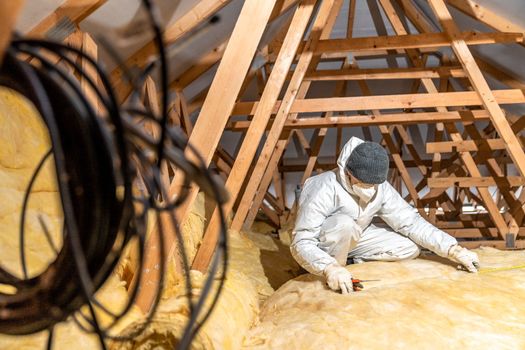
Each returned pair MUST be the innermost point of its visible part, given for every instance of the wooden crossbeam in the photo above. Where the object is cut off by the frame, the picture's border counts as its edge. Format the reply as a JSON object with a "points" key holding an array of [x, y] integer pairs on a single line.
{"points": [[413, 41], [465, 146], [381, 102], [257, 128], [386, 73], [508, 181], [363, 120], [480, 85], [214, 114], [428, 84], [476, 10], [72, 10]]}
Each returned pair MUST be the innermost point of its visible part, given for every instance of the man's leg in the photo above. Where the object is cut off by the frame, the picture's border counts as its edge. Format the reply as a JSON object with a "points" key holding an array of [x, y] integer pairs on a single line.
{"points": [[338, 236], [383, 244]]}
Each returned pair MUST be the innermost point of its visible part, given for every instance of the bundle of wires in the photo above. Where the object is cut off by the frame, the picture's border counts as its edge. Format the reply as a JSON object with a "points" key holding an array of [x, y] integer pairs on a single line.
{"points": [[99, 154]]}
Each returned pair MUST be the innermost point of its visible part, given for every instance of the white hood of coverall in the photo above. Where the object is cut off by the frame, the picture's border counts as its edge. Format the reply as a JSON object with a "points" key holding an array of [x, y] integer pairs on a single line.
{"points": [[341, 162], [330, 194]]}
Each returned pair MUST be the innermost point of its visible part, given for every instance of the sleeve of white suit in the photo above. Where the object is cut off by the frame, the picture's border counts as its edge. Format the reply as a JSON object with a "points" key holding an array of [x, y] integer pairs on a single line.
{"points": [[315, 205], [403, 218]]}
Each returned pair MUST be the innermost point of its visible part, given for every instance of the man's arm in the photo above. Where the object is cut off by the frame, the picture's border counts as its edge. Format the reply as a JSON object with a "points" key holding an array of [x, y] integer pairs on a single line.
{"points": [[402, 217], [315, 204]]}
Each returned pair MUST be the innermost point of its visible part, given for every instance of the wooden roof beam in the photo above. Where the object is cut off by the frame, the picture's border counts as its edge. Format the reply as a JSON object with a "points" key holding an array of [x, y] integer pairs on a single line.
{"points": [[201, 12], [206, 62], [413, 41], [400, 101], [480, 85], [386, 73], [9, 11], [364, 120], [72, 10], [250, 144], [208, 129], [486, 16]]}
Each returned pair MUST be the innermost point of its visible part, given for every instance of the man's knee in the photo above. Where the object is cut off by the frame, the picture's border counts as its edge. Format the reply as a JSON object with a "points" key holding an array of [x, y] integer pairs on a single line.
{"points": [[411, 251], [341, 228]]}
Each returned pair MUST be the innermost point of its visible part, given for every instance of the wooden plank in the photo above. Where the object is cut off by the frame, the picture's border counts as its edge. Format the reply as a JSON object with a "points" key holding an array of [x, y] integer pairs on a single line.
{"points": [[499, 74], [203, 10], [386, 73], [209, 60], [416, 16], [385, 132], [214, 114], [507, 181], [364, 120], [198, 68], [413, 41], [485, 15], [72, 10], [480, 85], [9, 11], [319, 30], [465, 146], [439, 99], [280, 147], [380, 102], [255, 131], [89, 47], [466, 157], [513, 219], [499, 244]]}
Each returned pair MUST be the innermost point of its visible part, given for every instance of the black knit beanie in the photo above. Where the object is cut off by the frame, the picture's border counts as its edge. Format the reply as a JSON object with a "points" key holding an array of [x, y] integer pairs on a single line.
{"points": [[368, 163]]}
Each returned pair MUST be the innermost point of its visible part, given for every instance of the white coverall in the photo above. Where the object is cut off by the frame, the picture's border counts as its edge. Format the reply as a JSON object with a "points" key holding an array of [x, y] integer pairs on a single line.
{"points": [[328, 211]]}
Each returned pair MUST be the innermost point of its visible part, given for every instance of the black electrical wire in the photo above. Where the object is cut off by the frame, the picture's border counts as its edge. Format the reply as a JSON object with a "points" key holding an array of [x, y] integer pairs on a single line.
{"points": [[98, 156]]}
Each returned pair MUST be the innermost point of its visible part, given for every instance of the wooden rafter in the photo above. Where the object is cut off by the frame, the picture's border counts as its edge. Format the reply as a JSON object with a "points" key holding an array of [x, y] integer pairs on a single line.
{"points": [[74, 11], [9, 11], [214, 114], [295, 89]]}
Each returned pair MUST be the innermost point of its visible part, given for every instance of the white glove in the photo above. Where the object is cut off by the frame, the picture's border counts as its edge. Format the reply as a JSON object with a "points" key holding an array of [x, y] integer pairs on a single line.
{"points": [[465, 257], [338, 278]]}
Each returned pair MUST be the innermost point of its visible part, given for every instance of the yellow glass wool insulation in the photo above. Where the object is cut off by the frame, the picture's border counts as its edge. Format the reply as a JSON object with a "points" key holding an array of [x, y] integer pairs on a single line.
{"points": [[417, 304], [248, 283], [68, 335], [230, 320], [236, 311], [24, 140]]}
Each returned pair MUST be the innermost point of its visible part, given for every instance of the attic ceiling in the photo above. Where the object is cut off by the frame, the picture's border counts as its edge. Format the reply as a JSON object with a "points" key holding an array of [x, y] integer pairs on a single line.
{"points": [[116, 18], [116, 21]]}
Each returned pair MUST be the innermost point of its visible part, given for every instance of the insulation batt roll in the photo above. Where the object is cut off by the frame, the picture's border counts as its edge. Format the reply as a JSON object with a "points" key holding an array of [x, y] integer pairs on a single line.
{"points": [[24, 140], [417, 304]]}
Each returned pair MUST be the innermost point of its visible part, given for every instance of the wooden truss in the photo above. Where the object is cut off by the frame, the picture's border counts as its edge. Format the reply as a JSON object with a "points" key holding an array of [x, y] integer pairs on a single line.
{"points": [[462, 166], [465, 174]]}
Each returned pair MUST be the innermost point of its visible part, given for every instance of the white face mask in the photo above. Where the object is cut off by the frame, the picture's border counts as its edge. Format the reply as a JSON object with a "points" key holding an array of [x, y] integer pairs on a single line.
{"points": [[365, 194]]}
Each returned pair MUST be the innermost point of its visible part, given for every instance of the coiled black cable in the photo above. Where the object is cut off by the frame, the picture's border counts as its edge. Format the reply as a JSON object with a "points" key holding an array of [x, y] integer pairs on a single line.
{"points": [[99, 154]]}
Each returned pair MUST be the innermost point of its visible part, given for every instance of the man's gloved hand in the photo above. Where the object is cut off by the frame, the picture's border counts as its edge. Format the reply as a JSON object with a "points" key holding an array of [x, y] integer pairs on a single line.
{"points": [[465, 257], [338, 278]]}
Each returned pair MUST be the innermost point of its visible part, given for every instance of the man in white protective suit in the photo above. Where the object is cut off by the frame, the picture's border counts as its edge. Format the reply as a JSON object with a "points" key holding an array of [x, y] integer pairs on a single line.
{"points": [[335, 213]]}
